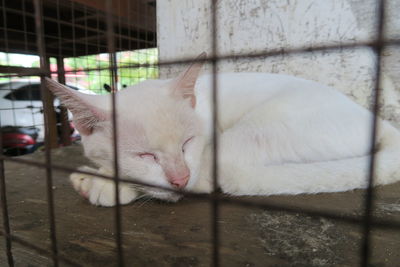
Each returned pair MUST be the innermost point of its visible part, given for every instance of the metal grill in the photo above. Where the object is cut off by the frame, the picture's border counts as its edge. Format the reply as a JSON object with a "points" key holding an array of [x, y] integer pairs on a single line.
{"points": [[67, 29]]}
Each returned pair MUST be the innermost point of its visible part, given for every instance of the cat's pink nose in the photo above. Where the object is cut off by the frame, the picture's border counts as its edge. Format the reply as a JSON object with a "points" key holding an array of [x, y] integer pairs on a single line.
{"points": [[179, 182]]}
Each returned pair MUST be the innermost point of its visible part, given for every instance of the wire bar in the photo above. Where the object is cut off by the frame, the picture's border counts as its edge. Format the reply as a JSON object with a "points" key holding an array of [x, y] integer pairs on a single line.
{"points": [[108, 36], [113, 64], [215, 186], [3, 190], [226, 199], [369, 198], [39, 250], [221, 58], [78, 26], [4, 208], [44, 64]]}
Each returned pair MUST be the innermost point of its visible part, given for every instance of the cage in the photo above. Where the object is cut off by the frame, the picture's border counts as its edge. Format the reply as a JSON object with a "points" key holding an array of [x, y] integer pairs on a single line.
{"points": [[101, 47]]}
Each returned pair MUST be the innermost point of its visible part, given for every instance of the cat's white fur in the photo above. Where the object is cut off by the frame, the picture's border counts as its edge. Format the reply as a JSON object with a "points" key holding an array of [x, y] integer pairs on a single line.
{"points": [[277, 135]]}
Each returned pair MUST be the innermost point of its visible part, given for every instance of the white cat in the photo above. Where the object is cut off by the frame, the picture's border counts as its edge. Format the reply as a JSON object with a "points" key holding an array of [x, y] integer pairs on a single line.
{"points": [[277, 135]]}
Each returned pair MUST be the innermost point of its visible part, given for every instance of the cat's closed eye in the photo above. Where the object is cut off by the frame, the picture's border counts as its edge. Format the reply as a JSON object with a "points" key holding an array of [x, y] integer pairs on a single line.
{"points": [[185, 143], [147, 155]]}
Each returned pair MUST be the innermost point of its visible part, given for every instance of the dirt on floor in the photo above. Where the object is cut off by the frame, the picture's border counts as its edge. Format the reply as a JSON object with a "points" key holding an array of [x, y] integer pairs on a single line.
{"points": [[180, 234]]}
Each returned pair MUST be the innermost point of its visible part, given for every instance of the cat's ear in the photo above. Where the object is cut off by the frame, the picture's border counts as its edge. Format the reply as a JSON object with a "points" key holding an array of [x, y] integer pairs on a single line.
{"points": [[85, 115], [183, 85]]}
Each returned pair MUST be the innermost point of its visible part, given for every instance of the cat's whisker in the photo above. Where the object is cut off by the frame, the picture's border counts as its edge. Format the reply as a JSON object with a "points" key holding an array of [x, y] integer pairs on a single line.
{"points": [[141, 197], [136, 187], [146, 200]]}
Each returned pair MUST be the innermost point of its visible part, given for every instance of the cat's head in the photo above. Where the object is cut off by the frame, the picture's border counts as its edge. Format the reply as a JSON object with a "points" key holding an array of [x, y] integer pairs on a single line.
{"points": [[160, 138]]}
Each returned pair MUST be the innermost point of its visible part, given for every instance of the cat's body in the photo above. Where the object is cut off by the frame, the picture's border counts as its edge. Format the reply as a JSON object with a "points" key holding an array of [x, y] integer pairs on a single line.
{"points": [[277, 135]]}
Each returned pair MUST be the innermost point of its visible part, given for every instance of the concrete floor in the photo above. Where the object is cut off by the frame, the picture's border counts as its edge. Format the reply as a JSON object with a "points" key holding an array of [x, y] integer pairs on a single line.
{"points": [[162, 234]]}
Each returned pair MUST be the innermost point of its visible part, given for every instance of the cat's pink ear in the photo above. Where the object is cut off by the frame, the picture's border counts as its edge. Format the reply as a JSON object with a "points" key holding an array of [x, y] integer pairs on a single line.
{"points": [[183, 85], [85, 115]]}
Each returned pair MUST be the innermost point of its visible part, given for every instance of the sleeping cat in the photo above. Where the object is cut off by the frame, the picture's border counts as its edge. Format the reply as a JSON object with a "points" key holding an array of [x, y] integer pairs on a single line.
{"points": [[277, 135]]}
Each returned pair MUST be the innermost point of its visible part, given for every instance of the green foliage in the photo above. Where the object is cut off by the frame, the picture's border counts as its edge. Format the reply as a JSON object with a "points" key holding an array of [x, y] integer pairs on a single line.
{"points": [[95, 79], [77, 72], [19, 60]]}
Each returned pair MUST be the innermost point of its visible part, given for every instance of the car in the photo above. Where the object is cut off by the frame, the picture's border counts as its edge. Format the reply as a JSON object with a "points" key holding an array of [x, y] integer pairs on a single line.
{"points": [[21, 104]]}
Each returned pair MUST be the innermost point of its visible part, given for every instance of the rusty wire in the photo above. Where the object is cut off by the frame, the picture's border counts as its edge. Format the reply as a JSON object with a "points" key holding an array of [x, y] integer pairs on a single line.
{"points": [[49, 175], [369, 198], [251, 55], [367, 222], [113, 64]]}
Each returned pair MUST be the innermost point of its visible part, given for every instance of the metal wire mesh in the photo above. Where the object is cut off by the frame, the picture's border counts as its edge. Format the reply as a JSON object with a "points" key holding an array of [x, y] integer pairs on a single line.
{"points": [[94, 32]]}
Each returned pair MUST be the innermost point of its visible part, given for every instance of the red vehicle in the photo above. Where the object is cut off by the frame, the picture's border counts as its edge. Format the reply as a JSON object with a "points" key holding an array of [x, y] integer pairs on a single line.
{"points": [[19, 140]]}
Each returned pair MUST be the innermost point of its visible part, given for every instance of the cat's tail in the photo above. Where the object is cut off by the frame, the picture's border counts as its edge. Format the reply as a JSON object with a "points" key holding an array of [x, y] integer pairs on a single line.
{"points": [[315, 177]]}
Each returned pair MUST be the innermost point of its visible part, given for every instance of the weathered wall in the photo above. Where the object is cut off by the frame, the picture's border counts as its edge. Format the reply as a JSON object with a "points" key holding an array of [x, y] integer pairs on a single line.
{"points": [[248, 26]]}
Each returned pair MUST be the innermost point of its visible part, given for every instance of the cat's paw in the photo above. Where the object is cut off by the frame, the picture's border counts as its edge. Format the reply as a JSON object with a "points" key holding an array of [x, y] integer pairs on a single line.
{"points": [[101, 192]]}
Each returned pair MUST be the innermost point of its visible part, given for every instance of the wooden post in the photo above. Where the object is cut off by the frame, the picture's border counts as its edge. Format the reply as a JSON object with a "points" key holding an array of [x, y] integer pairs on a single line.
{"points": [[49, 113], [65, 129]]}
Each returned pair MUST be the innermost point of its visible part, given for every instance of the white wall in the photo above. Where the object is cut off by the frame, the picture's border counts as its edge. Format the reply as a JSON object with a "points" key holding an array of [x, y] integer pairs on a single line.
{"points": [[249, 26]]}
